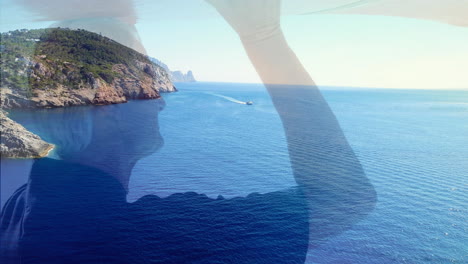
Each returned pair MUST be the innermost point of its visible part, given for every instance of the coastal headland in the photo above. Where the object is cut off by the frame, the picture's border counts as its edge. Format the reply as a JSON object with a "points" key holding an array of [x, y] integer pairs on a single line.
{"points": [[57, 67]]}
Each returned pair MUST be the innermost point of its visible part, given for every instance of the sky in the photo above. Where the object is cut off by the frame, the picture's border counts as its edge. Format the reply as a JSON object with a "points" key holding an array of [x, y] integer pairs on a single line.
{"points": [[337, 49]]}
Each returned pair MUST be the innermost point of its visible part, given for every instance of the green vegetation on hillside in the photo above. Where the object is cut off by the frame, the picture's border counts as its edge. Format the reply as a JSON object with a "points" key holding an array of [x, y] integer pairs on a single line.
{"points": [[44, 58]]}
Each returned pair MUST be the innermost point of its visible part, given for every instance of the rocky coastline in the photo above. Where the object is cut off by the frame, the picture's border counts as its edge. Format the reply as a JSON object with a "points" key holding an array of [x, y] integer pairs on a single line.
{"points": [[149, 83], [68, 68], [18, 142]]}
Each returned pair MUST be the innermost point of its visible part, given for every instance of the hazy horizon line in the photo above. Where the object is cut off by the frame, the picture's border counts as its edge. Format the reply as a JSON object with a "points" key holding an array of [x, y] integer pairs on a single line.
{"points": [[343, 87]]}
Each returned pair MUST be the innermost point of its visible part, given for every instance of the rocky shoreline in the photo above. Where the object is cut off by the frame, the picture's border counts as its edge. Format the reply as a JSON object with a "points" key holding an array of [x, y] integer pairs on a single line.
{"points": [[146, 84], [18, 142], [63, 68]]}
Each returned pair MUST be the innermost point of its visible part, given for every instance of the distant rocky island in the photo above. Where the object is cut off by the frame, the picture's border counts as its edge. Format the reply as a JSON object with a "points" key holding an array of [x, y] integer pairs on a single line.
{"points": [[175, 76], [57, 67]]}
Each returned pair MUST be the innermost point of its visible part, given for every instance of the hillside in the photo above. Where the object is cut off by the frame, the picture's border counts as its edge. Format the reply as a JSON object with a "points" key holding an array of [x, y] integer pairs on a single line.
{"points": [[61, 67], [57, 67]]}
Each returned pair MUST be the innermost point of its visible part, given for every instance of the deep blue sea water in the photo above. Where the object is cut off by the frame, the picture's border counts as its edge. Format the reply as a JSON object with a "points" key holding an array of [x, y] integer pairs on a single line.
{"points": [[411, 144]]}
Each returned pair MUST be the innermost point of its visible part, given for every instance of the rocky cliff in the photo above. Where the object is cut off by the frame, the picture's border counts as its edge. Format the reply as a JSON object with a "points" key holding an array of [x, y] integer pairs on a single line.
{"points": [[178, 76], [61, 67], [17, 142], [175, 76]]}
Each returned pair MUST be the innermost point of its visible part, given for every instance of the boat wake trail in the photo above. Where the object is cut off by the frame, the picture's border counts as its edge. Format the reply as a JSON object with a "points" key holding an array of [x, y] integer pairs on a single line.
{"points": [[228, 98]]}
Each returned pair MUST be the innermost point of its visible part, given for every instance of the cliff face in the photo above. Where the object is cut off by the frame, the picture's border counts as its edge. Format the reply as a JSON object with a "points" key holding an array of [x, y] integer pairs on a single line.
{"points": [[74, 67], [61, 67], [178, 76], [93, 91]]}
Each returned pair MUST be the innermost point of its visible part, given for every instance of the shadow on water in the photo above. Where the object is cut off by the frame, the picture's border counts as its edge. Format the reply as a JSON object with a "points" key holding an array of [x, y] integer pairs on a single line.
{"points": [[74, 210]]}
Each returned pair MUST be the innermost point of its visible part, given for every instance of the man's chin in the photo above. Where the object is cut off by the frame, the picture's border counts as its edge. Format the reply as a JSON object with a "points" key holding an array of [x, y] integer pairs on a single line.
{"points": [[151, 146]]}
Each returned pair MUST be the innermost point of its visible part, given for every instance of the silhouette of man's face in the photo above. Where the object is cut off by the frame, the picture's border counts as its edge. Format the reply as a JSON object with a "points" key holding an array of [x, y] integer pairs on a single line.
{"points": [[140, 126], [130, 130]]}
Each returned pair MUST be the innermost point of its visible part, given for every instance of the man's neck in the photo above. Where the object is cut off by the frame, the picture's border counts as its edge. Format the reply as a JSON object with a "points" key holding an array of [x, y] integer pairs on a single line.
{"points": [[118, 165]]}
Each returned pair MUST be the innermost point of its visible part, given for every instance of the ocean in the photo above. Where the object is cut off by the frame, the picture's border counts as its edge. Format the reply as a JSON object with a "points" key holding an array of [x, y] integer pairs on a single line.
{"points": [[410, 143]]}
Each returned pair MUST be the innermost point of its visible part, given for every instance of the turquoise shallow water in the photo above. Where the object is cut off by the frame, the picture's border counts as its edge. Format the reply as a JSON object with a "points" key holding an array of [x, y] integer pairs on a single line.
{"points": [[411, 144]]}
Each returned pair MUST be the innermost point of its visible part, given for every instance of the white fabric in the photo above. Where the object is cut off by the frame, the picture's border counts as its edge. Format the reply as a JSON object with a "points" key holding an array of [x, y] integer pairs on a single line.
{"points": [[453, 12]]}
